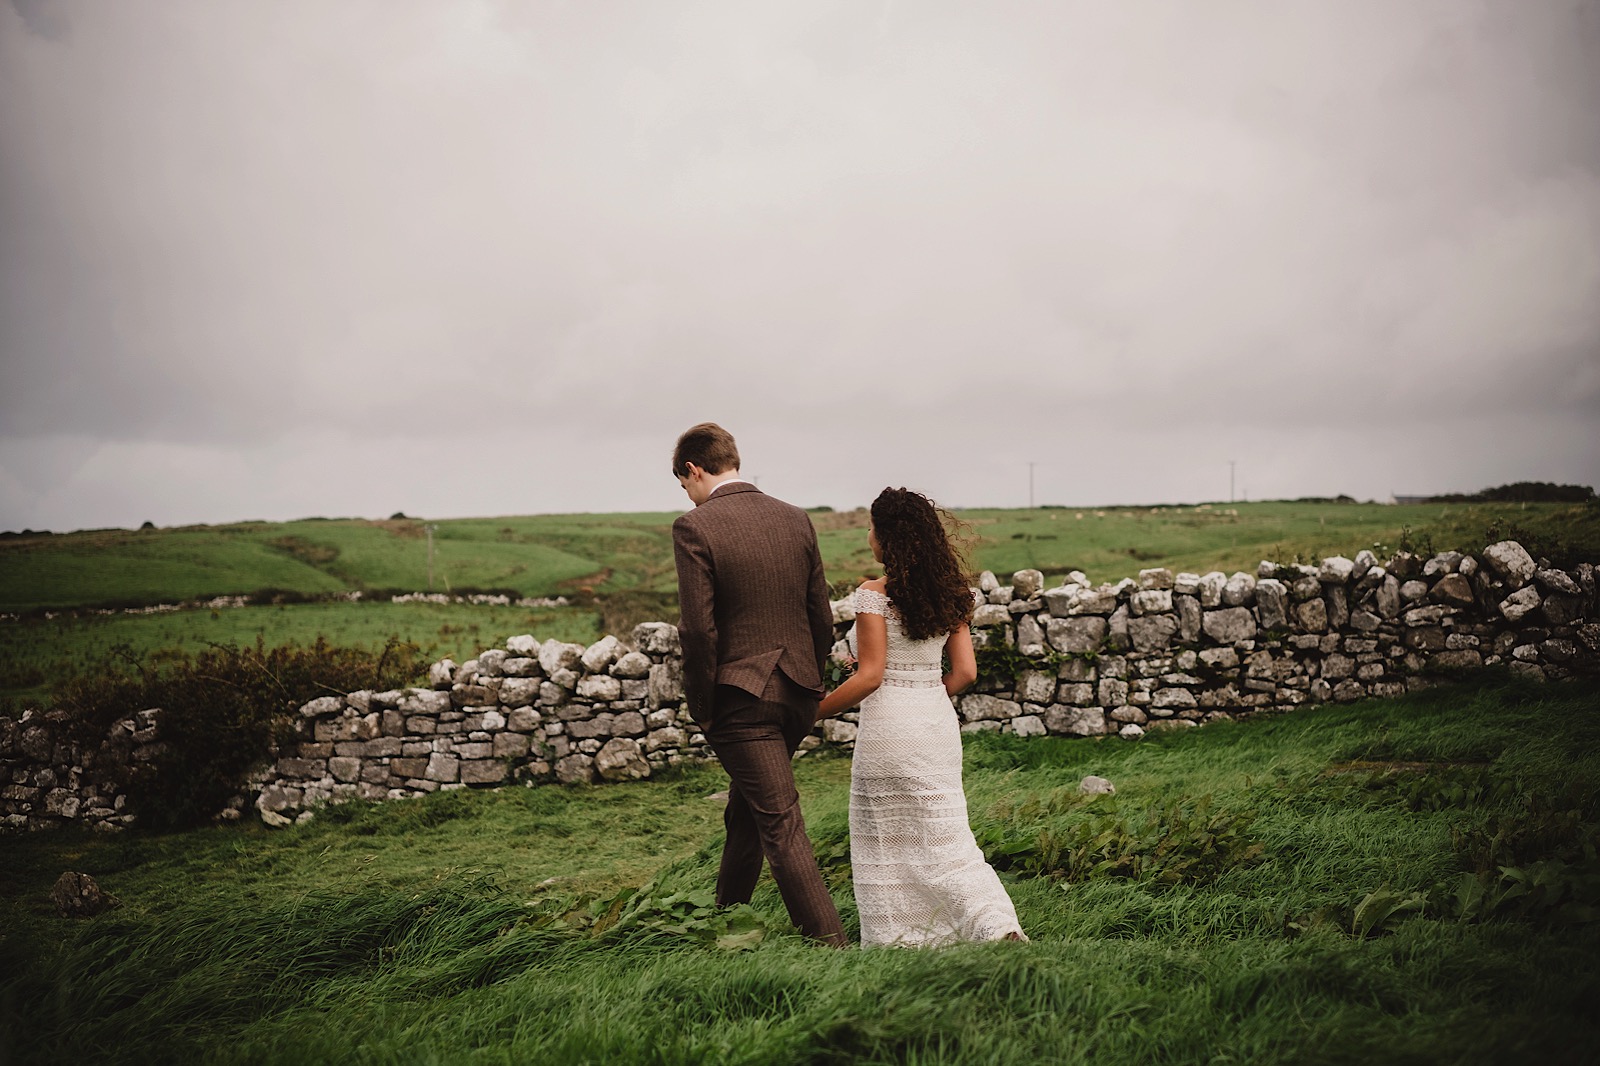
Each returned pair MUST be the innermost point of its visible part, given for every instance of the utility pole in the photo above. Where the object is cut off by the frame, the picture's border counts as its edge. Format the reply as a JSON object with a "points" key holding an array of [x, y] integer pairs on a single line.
{"points": [[1030, 486], [430, 528], [1230, 480]]}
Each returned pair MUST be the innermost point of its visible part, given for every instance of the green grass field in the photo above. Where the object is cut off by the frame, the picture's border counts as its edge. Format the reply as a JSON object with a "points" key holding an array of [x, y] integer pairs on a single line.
{"points": [[545, 555], [619, 556], [34, 652], [1301, 901]]}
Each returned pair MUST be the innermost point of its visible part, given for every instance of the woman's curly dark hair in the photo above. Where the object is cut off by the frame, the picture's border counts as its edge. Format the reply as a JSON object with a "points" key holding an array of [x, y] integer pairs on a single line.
{"points": [[922, 566]]}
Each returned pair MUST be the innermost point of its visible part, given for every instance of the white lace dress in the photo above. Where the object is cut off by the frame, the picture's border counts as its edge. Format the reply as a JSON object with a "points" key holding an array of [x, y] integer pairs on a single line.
{"points": [[920, 879]]}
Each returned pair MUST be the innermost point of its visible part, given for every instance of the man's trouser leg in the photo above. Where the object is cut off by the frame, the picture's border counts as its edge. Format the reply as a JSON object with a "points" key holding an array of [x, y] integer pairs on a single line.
{"points": [[755, 741]]}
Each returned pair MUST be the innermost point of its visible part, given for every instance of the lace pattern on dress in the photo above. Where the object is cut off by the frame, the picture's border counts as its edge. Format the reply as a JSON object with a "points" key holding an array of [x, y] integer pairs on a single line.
{"points": [[920, 878]]}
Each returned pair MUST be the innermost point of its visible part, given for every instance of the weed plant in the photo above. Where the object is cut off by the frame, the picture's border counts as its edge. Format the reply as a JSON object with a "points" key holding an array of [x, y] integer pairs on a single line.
{"points": [[1271, 890]]}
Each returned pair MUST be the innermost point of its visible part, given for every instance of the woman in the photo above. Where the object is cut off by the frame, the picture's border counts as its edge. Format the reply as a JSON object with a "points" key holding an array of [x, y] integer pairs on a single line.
{"points": [[919, 876]]}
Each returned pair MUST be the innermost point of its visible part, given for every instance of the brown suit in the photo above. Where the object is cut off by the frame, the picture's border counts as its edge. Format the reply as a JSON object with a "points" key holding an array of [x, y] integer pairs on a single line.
{"points": [[756, 626]]}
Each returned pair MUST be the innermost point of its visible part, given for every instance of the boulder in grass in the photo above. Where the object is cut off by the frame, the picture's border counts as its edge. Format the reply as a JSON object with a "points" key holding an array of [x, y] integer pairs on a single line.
{"points": [[76, 895]]}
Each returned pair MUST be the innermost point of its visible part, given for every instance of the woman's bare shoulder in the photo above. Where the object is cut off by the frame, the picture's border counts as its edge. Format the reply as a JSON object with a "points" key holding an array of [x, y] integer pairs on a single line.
{"points": [[876, 584]]}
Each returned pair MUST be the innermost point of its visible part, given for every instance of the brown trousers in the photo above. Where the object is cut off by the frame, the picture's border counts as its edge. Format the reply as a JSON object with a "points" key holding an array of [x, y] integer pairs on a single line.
{"points": [[755, 740]]}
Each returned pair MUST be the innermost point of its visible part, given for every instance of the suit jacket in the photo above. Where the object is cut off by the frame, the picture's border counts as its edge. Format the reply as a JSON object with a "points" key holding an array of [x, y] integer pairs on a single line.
{"points": [[752, 596]]}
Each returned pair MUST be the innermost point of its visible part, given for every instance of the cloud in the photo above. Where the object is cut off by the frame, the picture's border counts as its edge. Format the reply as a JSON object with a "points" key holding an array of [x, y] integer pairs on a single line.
{"points": [[897, 243]]}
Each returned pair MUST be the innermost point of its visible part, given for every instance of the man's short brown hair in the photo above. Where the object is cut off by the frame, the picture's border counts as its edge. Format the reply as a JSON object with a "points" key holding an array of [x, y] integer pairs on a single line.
{"points": [[708, 446]]}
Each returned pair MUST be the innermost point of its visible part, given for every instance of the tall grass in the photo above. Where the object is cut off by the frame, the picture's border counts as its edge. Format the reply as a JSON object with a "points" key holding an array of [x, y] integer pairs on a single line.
{"points": [[483, 926]]}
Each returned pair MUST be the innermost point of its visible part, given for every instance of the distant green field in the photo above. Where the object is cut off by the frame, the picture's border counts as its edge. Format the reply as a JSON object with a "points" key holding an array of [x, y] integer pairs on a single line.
{"points": [[534, 556], [36, 651], [544, 555]]}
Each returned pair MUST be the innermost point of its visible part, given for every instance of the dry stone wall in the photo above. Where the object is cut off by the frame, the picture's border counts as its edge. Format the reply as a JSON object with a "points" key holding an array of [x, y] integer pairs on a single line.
{"points": [[1161, 651]]}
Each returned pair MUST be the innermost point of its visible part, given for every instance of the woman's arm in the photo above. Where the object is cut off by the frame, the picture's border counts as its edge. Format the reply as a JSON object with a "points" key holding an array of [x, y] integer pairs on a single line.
{"points": [[963, 663], [872, 644]]}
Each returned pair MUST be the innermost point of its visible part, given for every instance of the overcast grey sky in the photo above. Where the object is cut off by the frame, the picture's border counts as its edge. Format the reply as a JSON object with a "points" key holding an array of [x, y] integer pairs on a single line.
{"points": [[278, 258]]}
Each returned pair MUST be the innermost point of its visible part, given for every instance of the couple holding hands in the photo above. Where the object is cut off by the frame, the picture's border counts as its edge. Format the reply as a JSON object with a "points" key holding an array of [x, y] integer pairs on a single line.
{"points": [[756, 627]]}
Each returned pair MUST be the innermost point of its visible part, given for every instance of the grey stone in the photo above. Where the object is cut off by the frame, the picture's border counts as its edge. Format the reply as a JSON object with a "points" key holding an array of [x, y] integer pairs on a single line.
{"points": [[1312, 615], [556, 656], [511, 745], [666, 682], [483, 771], [1076, 636], [1152, 632], [1560, 610], [1558, 581], [1365, 621], [1453, 589], [990, 614], [1443, 563], [1172, 698], [1027, 725], [443, 768], [77, 895], [1092, 785], [1157, 578], [1230, 624], [1030, 636], [598, 657], [1210, 588], [1117, 638], [1466, 658], [838, 731], [424, 701], [1336, 570], [667, 738], [978, 707], [525, 666], [442, 673], [1036, 686], [1336, 667], [1387, 598], [1071, 600], [1364, 562], [1075, 721], [489, 662], [1025, 584], [519, 691], [633, 665], [575, 769], [1511, 562], [1079, 693], [1150, 601], [323, 706], [523, 645], [657, 638], [1189, 612], [621, 760], [599, 687], [1272, 603], [1240, 590], [1520, 603]]}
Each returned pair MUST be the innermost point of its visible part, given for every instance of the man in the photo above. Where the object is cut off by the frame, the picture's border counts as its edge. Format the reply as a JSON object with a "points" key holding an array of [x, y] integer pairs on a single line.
{"points": [[756, 627]]}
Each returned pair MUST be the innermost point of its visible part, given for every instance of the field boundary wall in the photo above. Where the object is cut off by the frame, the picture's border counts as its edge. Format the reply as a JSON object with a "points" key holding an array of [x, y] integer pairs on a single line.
{"points": [[1163, 651]]}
